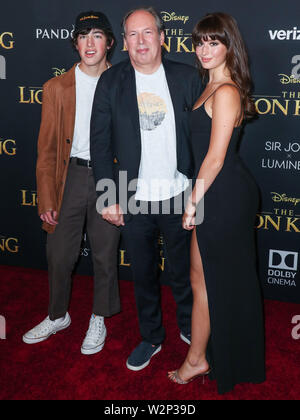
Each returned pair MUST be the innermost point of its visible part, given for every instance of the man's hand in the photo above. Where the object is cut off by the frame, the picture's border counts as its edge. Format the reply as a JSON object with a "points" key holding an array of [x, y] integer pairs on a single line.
{"points": [[50, 217], [114, 215]]}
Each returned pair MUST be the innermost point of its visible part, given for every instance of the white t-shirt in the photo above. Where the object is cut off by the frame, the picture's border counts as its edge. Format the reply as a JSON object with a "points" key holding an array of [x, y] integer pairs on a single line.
{"points": [[159, 178], [85, 91]]}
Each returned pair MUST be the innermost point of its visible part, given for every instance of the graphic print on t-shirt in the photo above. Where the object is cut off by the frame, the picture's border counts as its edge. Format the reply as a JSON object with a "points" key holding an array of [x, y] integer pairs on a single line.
{"points": [[152, 109]]}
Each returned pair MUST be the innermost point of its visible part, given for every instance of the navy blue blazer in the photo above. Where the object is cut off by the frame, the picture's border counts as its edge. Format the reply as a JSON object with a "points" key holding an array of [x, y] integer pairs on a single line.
{"points": [[115, 128]]}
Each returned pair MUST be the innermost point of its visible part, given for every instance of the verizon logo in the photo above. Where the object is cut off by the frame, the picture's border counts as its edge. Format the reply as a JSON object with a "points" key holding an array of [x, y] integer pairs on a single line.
{"points": [[282, 35]]}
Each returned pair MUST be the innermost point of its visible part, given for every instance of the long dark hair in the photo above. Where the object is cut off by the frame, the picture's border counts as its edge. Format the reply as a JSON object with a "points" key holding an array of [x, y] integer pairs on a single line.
{"points": [[223, 27]]}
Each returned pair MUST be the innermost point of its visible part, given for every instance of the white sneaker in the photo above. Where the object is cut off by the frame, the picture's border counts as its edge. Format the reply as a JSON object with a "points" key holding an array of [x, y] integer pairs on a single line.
{"points": [[45, 329], [95, 337]]}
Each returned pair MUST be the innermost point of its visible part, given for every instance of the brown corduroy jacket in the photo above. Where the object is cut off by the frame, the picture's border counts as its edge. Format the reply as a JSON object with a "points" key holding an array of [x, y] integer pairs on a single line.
{"points": [[55, 142]]}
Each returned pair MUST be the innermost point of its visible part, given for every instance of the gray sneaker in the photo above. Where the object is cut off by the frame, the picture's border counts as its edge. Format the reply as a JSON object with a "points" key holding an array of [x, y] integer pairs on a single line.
{"points": [[45, 329], [141, 356]]}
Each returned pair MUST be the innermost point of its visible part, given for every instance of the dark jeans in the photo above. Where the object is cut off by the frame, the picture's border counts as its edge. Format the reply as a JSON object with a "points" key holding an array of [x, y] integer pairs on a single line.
{"points": [[63, 247], [141, 234]]}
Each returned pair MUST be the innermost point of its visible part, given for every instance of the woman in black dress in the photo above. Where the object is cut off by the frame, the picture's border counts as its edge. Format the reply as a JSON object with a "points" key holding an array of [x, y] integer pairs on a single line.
{"points": [[227, 323]]}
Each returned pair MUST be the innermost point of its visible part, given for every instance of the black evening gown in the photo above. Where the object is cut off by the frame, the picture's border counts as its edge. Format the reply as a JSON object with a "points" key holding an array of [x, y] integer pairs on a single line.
{"points": [[226, 242]]}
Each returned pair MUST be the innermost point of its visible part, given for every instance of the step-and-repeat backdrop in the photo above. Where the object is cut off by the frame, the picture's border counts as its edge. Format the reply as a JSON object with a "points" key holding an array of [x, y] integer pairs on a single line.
{"points": [[35, 46]]}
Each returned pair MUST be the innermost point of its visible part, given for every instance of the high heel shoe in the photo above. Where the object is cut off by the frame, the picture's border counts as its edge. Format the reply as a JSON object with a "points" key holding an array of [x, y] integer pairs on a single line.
{"points": [[174, 377]]}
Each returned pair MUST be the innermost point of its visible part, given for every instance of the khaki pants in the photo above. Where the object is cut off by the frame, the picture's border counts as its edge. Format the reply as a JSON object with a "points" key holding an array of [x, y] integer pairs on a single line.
{"points": [[63, 247]]}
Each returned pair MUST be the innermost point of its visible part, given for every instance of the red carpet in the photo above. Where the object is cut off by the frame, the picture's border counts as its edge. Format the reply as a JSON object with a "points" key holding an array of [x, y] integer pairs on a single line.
{"points": [[55, 369]]}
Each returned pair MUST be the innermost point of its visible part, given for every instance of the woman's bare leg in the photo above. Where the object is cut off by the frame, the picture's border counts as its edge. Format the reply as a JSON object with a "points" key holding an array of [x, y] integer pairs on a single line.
{"points": [[195, 362]]}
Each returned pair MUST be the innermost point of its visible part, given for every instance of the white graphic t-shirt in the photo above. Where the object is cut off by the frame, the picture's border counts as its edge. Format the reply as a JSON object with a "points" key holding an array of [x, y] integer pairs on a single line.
{"points": [[159, 178]]}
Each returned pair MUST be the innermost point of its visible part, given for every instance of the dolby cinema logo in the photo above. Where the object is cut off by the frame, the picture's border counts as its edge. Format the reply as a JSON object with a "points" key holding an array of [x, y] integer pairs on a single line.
{"points": [[283, 268]]}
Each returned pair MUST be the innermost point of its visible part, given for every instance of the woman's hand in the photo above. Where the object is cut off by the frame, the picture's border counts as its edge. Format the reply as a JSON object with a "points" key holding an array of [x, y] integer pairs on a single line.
{"points": [[188, 219]]}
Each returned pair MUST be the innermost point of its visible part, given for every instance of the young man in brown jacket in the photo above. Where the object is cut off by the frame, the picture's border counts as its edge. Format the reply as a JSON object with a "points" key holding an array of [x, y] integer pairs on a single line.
{"points": [[66, 187]]}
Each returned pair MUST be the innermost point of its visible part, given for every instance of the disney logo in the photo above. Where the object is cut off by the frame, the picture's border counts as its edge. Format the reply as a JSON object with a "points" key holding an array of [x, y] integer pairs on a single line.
{"points": [[172, 17], [58, 72], [286, 80], [279, 198]]}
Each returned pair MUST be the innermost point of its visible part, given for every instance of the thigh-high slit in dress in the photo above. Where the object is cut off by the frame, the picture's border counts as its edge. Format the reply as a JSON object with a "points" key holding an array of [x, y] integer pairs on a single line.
{"points": [[226, 242]]}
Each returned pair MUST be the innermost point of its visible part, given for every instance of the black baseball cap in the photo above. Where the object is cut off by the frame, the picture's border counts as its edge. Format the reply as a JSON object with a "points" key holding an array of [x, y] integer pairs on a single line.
{"points": [[92, 19]]}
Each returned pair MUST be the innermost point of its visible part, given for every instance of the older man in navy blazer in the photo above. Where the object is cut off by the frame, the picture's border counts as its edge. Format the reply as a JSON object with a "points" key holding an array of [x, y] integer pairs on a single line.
{"points": [[140, 126]]}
